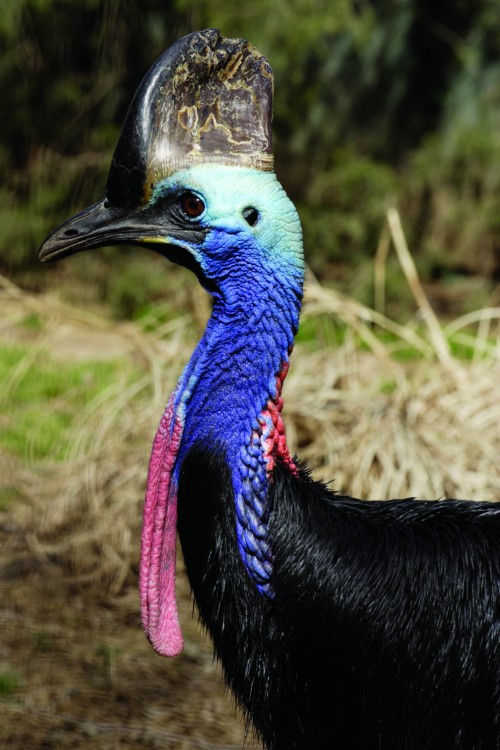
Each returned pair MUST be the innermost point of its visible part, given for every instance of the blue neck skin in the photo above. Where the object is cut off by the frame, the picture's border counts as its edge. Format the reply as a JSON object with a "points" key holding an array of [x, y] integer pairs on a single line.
{"points": [[232, 375]]}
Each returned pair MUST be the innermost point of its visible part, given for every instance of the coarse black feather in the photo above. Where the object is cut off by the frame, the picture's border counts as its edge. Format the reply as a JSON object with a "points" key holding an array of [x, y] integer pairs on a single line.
{"points": [[384, 631]]}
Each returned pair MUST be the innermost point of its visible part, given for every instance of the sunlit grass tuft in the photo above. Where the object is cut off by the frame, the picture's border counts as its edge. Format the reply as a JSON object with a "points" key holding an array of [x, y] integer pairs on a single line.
{"points": [[42, 399], [10, 682]]}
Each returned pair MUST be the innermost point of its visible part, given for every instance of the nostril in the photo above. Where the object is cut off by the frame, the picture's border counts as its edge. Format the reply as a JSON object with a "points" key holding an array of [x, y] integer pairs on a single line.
{"points": [[71, 233]]}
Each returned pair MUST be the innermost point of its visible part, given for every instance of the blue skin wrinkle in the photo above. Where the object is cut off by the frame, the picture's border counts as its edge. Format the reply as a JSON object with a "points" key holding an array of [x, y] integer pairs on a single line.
{"points": [[231, 376]]}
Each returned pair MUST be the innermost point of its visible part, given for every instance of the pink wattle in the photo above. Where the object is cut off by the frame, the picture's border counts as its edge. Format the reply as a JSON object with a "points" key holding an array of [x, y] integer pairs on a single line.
{"points": [[159, 537]]}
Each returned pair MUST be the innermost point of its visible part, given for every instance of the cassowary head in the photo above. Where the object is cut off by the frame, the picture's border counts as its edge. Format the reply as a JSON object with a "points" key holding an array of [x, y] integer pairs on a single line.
{"points": [[192, 175]]}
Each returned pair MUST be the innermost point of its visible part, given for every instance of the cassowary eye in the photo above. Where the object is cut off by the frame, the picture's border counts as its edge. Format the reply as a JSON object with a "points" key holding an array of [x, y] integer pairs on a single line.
{"points": [[191, 205], [251, 216]]}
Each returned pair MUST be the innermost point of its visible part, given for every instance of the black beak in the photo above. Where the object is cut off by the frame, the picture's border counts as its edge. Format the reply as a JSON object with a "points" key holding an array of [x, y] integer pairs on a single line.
{"points": [[96, 226], [102, 225]]}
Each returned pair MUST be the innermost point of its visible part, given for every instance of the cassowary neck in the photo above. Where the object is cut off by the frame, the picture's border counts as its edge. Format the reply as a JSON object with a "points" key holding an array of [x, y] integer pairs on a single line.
{"points": [[230, 396], [228, 401]]}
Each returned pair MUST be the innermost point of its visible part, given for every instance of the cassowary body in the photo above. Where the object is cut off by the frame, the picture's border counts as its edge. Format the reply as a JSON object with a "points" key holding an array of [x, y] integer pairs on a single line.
{"points": [[339, 623]]}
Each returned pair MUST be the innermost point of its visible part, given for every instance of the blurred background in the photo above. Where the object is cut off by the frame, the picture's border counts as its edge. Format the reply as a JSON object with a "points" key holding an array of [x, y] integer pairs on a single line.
{"points": [[386, 128], [376, 103]]}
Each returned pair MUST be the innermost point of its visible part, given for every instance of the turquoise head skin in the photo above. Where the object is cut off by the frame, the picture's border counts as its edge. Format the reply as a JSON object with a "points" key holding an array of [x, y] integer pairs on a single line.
{"points": [[275, 234]]}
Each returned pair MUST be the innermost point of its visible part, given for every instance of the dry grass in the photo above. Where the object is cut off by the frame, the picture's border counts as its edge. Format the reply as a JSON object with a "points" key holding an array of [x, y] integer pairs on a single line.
{"points": [[374, 423], [381, 427]]}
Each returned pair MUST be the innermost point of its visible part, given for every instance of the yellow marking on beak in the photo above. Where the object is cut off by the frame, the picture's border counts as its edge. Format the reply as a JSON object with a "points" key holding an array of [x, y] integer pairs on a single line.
{"points": [[159, 240]]}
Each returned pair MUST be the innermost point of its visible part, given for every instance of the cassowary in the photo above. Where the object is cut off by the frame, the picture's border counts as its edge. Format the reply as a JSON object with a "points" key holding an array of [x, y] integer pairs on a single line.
{"points": [[339, 623]]}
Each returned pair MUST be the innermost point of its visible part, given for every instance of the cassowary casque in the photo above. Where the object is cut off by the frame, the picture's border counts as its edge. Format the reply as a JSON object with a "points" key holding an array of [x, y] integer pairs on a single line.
{"points": [[339, 623]]}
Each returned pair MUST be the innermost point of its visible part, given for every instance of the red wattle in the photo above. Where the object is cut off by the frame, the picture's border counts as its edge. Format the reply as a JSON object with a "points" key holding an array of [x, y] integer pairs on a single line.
{"points": [[273, 435]]}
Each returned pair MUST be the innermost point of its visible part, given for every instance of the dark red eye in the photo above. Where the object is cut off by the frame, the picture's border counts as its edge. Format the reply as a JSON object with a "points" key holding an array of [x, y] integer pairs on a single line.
{"points": [[191, 205]]}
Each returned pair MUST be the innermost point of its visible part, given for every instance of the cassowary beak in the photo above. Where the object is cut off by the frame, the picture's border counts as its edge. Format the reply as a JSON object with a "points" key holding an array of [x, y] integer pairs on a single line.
{"points": [[96, 226], [102, 225]]}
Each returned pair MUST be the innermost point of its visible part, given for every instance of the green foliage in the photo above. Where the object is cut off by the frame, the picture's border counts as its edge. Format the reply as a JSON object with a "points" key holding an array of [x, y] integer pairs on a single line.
{"points": [[9, 494], [44, 641], [10, 682], [134, 285], [66, 84], [375, 103], [345, 208], [318, 331], [44, 400], [450, 201]]}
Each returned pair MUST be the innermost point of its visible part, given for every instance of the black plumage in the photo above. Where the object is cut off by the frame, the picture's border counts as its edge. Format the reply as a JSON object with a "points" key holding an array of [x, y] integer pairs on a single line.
{"points": [[385, 628]]}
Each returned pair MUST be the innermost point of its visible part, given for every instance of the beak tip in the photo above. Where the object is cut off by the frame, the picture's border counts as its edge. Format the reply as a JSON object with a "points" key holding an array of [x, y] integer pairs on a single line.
{"points": [[72, 235], [45, 252]]}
